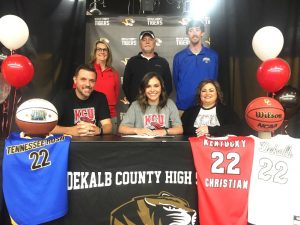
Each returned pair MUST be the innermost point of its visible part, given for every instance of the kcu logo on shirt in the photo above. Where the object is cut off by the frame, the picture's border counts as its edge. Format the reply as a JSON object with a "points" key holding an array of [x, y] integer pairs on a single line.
{"points": [[84, 114], [154, 121]]}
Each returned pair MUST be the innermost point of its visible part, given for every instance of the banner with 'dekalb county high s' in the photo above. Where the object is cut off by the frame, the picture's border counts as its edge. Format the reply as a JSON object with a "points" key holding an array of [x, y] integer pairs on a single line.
{"points": [[131, 183]]}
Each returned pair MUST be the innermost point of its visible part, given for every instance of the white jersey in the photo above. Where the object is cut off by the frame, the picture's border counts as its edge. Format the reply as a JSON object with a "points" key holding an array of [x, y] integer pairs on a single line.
{"points": [[274, 195]]}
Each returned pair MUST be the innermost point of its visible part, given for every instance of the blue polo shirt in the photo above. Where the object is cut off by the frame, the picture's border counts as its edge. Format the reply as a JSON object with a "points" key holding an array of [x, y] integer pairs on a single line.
{"points": [[189, 70]]}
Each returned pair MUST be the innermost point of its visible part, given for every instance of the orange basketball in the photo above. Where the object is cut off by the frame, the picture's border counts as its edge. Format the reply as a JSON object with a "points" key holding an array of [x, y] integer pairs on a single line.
{"points": [[264, 114]]}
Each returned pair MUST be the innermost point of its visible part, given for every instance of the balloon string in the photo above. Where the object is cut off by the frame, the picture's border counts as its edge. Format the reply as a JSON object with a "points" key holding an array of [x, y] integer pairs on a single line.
{"points": [[286, 124], [5, 107], [7, 113], [13, 109], [3, 117], [271, 94]]}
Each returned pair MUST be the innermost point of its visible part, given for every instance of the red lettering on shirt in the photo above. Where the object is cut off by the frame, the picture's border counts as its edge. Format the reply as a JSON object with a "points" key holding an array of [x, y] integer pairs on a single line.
{"points": [[154, 121], [84, 114]]}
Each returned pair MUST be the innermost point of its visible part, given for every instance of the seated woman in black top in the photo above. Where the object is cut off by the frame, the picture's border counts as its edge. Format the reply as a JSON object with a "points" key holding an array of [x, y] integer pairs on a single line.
{"points": [[210, 116]]}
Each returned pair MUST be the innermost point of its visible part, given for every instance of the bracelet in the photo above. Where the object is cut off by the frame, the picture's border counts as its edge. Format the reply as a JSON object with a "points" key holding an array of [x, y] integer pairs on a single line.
{"points": [[167, 132]]}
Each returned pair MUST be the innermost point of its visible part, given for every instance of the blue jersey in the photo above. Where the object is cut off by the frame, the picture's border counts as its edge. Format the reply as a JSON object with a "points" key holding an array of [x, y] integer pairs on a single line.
{"points": [[35, 178]]}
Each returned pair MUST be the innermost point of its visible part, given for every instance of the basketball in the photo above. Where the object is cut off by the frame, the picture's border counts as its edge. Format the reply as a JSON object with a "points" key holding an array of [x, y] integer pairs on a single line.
{"points": [[36, 117], [264, 114]]}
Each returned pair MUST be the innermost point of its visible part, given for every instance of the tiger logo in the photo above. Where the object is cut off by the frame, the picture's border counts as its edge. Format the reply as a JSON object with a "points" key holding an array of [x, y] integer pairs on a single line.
{"points": [[184, 21], [128, 21], [161, 209], [158, 41], [125, 61]]}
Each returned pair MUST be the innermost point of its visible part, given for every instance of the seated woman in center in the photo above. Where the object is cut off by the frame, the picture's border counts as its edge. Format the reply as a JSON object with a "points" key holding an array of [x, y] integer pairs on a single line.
{"points": [[153, 113], [210, 116]]}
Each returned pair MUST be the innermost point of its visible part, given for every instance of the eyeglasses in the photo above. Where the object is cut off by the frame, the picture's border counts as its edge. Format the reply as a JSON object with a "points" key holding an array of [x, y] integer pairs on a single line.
{"points": [[102, 49]]}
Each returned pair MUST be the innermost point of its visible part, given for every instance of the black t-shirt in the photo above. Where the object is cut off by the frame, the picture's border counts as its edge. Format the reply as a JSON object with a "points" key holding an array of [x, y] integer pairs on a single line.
{"points": [[71, 109]]}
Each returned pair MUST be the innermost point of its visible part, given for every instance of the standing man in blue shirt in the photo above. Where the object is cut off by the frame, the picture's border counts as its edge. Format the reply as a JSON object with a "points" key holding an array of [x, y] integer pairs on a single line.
{"points": [[192, 65]]}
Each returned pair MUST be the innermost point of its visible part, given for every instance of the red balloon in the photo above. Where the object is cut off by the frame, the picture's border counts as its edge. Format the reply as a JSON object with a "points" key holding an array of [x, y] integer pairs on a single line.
{"points": [[273, 74], [17, 70]]}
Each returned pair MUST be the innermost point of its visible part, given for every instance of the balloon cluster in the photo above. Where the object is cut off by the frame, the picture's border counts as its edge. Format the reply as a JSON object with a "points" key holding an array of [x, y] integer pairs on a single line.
{"points": [[17, 70], [274, 73]]}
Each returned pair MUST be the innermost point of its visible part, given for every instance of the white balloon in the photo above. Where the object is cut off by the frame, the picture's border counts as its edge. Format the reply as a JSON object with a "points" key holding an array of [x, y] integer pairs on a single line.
{"points": [[13, 32], [267, 42]]}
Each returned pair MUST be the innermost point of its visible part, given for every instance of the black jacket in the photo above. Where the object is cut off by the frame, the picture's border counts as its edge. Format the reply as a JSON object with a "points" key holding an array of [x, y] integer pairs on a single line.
{"points": [[136, 68], [229, 121]]}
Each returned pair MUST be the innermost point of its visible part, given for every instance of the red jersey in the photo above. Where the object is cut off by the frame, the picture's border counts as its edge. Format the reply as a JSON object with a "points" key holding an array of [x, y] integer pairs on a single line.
{"points": [[223, 168]]}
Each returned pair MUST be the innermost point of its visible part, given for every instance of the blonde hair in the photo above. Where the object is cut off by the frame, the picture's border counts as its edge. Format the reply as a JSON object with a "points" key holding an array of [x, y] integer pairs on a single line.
{"points": [[104, 41]]}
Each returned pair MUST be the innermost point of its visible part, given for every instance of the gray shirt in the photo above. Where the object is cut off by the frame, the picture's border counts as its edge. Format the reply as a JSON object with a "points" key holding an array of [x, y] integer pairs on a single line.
{"points": [[167, 117]]}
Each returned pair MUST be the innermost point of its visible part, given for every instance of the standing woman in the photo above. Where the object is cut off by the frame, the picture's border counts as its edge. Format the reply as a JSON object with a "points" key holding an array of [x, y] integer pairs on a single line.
{"points": [[108, 80], [210, 116], [153, 113]]}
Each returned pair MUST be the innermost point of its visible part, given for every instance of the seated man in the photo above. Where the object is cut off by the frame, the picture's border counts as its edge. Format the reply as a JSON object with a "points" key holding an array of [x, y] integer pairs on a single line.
{"points": [[83, 111]]}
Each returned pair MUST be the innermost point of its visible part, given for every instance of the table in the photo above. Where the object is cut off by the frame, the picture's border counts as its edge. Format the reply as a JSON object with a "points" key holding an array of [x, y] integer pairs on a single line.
{"points": [[111, 178]]}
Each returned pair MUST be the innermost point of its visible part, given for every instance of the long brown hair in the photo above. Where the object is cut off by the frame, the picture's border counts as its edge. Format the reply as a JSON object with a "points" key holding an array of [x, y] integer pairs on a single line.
{"points": [[218, 89], [109, 54], [142, 98]]}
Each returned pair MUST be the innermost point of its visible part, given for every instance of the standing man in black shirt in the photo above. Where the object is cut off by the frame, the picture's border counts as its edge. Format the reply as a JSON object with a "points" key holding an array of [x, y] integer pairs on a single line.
{"points": [[145, 61]]}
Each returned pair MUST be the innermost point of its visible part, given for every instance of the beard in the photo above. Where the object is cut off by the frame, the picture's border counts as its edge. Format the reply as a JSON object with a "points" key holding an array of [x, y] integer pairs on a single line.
{"points": [[84, 92], [195, 40]]}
